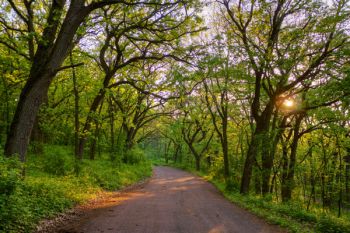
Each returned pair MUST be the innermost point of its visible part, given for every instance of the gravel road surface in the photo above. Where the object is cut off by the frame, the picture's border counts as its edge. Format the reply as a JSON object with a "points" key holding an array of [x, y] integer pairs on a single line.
{"points": [[173, 201]]}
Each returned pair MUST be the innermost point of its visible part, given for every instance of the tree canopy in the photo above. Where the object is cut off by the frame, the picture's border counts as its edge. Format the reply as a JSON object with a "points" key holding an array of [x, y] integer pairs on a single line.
{"points": [[253, 92]]}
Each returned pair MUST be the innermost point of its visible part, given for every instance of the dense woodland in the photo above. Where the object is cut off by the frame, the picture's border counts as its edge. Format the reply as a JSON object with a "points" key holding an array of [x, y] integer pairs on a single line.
{"points": [[253, 93]]}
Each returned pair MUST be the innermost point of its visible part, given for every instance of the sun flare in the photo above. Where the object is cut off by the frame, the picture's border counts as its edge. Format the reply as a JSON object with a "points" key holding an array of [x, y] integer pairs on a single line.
{"points": [[288, 103]]}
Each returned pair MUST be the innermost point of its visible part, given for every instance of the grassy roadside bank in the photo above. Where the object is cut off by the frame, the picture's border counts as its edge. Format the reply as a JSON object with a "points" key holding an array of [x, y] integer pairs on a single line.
{"points": [[291, 216], [55, 182]]}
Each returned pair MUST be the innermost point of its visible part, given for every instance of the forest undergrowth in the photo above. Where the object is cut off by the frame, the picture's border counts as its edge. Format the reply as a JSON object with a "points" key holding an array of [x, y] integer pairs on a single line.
{"points": [[55, 182]]}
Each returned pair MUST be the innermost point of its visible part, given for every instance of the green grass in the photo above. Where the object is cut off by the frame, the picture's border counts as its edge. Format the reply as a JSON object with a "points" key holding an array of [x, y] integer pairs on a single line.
{"points": [[292, 216], [55, 182]]}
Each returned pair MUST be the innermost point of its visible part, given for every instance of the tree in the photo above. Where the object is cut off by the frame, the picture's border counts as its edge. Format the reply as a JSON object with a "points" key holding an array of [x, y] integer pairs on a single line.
{"points": [[53, 44], [139, 34], [216, 85], [195, 131], [282, 58], [139, 105]]}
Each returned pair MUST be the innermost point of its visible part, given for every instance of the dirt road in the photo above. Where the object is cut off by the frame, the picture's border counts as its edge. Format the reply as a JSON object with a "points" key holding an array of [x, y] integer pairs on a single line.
{"points": [[172, 201]]}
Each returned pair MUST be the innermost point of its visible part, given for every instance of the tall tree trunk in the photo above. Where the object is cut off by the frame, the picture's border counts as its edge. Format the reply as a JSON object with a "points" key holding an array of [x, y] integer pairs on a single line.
{"points": [[266, 164], [93, 108], [180, 154], [48, 59], [288, 182], [176, 152], [93, 149], [347, 174], [196, 156], [225, 147], [76, 110], [90, 118], [112, 149], [37, 137], [284, 169], [267, 156], [26, 111], [129, 141], [262, 129], [270, 149], [130, 136], [198, 163], [166, 151], [249, 163], [312, 192], [340, 181]]}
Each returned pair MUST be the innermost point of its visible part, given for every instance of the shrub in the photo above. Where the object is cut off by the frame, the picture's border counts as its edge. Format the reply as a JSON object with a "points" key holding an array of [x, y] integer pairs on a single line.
{"points": [[135, 156], [111, 177], [328, 224], [296, 211], [10, 179], [10, 170], [231, 185], [216, 169], [57, 161]]}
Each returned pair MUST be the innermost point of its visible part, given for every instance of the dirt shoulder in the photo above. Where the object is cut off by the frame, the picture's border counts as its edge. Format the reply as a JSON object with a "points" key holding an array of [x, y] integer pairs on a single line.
{"points": [[63, 221]]}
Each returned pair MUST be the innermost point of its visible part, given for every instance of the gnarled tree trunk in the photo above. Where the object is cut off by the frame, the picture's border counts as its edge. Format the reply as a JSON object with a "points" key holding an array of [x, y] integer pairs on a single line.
{"points": [[46, 63]]}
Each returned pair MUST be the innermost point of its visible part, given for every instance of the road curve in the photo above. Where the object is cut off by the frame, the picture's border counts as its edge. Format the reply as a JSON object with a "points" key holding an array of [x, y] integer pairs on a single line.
{"points": [[173, 201]]}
